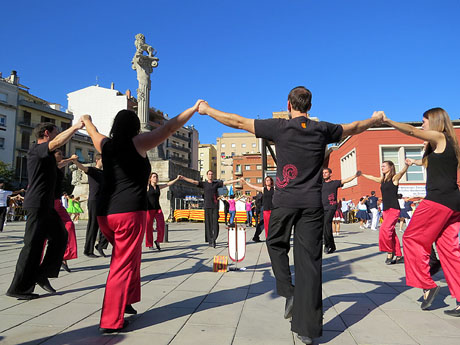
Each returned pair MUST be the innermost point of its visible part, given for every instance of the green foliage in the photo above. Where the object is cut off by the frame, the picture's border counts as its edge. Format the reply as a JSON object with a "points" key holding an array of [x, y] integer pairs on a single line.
{"points": [[6, 174]]}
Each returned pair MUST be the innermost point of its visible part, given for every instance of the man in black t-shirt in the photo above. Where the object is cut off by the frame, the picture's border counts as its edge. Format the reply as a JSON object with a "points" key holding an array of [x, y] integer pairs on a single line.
{"points": [[95, 176], [300, 145], [43, 222], [211, 205], [329, 199]]}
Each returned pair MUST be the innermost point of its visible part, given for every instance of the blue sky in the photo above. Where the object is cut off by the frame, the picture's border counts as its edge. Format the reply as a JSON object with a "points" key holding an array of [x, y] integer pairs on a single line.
{"points": [[244, 56]]}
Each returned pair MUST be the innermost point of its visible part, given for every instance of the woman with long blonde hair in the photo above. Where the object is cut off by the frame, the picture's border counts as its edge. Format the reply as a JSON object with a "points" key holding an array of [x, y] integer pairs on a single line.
{"points": [[437, 218]]}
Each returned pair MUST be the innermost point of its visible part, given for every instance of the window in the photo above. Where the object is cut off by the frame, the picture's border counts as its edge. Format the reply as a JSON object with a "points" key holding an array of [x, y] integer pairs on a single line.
{"points": [[91, 155], [21, 166], [259, 180], [25, 140], [348, 168], [248, 193], [2, 143], [3, 97], [247, 167], [65, 125], [398, 154], [248, 180], [238, 168], [223, 146], [222, 172], [243, 145], [27, 116], [47, 119], [259, 167], [3, 120], [202, 154], [79, 153], [254, 144], [233, 145]]}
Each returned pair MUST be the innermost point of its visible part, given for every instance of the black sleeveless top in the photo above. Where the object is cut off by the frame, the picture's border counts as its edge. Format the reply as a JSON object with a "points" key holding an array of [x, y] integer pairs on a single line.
{"points": [[125, 176], [153, 198], [441, 181], [389, 195], [58, 185], [267, 199]]}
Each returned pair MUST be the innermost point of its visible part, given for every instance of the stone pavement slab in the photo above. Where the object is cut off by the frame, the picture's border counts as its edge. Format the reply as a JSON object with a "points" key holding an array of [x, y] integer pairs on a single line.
{"points": [[184, 302]]}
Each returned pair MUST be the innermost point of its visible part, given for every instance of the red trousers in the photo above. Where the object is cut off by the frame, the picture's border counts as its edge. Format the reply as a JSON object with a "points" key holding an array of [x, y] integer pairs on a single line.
{"points": [[388, 240], [71, 249], [158, 216], [125, 232], [432, 222], [266, 221]]}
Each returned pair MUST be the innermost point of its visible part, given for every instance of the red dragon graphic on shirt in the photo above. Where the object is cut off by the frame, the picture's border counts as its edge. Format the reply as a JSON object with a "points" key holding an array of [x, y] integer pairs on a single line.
{"points": [[289, 173]]}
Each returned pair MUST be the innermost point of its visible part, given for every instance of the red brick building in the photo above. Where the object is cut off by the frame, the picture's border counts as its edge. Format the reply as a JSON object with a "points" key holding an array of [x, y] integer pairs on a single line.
{"points": [[249, 167], [366, 152]]}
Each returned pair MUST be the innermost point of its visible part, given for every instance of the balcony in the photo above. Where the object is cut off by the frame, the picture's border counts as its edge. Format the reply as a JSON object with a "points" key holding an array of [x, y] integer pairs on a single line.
{"points": [[238, 186], [238, 173], [181, 137], [179, 159], [178, 147]]}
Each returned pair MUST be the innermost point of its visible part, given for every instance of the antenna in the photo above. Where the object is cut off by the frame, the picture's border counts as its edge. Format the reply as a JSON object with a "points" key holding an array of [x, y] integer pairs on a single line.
{"points": [[97, 81]]}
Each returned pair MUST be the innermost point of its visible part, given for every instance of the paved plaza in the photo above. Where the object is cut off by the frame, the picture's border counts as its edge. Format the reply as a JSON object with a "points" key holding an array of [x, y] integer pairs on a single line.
{"points": [[184, 302]]}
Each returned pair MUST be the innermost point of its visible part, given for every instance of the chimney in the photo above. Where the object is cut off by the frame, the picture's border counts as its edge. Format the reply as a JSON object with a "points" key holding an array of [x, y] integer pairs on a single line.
{"points": [[14, 79], [112, 85], [128, 94]]}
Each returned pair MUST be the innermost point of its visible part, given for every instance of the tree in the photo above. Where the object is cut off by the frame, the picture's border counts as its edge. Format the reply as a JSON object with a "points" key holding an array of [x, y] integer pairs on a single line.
{"points": [[6, 174]]}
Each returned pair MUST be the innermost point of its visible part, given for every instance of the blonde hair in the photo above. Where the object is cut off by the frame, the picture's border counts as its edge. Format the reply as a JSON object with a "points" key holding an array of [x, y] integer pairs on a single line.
{"points": [[440, 121]]}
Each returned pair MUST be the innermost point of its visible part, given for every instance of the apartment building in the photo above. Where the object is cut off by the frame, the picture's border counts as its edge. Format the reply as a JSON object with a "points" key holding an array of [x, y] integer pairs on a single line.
{"points": [[207, 159]]}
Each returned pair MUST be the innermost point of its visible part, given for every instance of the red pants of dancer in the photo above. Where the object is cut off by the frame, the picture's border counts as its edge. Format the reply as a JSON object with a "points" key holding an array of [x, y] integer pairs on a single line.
{"points": [[125, 232], [432, 222], [158, 216], [388, 240], [71, 249], [266, 221]]}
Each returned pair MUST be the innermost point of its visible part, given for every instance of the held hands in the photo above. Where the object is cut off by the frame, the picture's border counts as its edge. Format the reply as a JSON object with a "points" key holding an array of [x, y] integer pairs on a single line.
{"points": [[242, 180], [409, 161], [378, 116], [198, 102], [74, 157], [86, 118], [203, 106], [358, 173]]}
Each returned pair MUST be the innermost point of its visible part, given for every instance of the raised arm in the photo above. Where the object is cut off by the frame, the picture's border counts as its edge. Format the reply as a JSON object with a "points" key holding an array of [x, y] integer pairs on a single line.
{"points": [[257, 188], [357, 127], [147, 141], [62, 138], [230, 182], [351, 178], [227, 119], [189, 180], [170, 183], [66, 161], [372, 178], [79, 165], [399, 175], [433, 137], [96, 137], [410, 161]]}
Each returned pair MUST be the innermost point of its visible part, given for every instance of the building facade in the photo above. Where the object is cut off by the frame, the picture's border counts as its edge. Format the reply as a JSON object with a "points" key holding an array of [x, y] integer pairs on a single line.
{"points": [[207, 159], [249, 167], [9, 91]]}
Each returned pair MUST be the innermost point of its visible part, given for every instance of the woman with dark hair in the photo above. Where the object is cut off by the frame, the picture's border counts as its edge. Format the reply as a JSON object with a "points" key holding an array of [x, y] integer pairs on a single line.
{"points": [[389, 182], [123, 205], [437, 218], [362, 214], [155, 212]]}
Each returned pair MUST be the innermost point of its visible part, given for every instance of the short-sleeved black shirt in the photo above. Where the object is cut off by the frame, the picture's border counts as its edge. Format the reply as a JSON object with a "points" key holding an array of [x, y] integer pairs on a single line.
{"points": [[58, 185], [95, 177], [125, 179], [300, 146], [329, 194], [210, 193], [153, 198], [41, 172]]}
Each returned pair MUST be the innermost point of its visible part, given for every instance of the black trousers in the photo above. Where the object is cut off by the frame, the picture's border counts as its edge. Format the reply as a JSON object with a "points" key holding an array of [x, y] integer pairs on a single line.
{"points": [[42, 224], [327, 229], [259, 224], [2, 216], [211, 224], [91, 228], [226, 215], [345, 217], [307, 314]]}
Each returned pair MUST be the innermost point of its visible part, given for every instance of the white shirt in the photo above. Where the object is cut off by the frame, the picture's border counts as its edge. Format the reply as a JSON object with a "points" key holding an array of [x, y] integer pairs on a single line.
{"points": [[3, 196], [345, 205]]}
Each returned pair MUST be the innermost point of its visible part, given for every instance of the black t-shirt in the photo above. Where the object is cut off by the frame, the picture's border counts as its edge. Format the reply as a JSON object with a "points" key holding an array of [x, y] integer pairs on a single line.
{"points": [[153, 198], [389, 195], [268, 197], [226, 205], [95, 177], [258, 200], [41, 172], [210, 193], [441, 180], [125, 179], [300, 146], [58, 186], [372, 201], [329, 194]]}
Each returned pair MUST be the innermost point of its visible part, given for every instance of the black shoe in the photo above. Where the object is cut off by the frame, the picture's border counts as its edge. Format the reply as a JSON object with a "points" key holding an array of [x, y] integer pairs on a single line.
{"points": [[44, 283], [428, 301], [454, 312], [304, 339], [130, 310], [399, 260], [157, 245], [23, 296], [65, 267], [100, 251], [214, 244], [331, 250], [114, 330], [435, 267], [91, 255], [390, 260], [326, 250], [288, 307], [256, 239]]}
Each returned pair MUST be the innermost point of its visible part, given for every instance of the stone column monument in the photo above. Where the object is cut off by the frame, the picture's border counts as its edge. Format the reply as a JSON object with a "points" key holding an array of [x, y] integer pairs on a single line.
{"points": [[143, 65]]}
